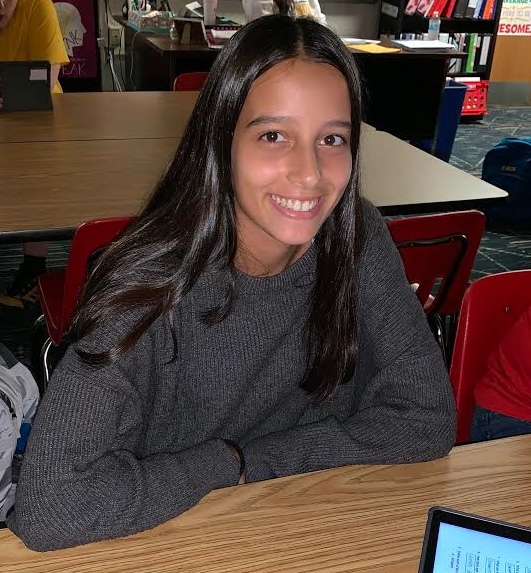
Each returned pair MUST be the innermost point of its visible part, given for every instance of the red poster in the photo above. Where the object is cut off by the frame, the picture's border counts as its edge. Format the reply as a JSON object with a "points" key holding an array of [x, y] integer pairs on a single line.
{"points": [[76, 19]]}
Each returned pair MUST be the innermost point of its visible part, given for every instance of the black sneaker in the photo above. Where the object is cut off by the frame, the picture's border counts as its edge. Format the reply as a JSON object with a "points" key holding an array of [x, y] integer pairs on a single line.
{"points": [[23, 290]]}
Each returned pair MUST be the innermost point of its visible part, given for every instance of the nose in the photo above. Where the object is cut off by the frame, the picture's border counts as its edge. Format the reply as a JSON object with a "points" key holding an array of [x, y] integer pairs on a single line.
{"points": [[305, 166]]}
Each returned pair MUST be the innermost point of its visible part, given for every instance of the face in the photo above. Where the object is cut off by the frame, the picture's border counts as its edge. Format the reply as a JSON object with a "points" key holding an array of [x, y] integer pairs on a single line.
{"points": [[291, 158], [7, 8]]}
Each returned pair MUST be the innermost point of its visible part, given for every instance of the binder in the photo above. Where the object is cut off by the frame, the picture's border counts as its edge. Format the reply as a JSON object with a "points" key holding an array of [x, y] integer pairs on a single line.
{"points": [[471, 53], [450, 8], [411, 7], [471, 8], [460, 8], [479, 9], [484, 53], [438, 6], [424, 6]]}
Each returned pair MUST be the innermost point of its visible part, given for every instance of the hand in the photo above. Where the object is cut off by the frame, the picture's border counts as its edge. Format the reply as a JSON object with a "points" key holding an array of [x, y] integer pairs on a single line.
{"points": [[236, 456]]}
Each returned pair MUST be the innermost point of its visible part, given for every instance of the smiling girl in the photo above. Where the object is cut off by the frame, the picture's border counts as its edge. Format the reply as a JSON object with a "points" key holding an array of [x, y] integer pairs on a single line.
{"points": [[254, 322]]}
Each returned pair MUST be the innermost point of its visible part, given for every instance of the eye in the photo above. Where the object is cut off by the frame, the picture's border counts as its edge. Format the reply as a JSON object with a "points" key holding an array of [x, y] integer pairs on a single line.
{"points": [[333, 140], [273, 137]]}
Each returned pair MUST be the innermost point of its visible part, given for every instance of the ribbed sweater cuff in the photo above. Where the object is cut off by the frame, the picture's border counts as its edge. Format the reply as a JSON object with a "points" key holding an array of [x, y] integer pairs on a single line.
{"points": [[256, 468]]}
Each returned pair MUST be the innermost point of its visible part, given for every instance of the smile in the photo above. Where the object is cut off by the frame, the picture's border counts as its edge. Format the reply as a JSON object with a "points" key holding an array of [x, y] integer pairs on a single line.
{"points": [[295, 204]]}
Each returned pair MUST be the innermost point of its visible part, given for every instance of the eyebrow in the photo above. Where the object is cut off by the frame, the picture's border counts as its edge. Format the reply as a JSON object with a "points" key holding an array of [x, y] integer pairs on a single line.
{"points": [[268, 119]]}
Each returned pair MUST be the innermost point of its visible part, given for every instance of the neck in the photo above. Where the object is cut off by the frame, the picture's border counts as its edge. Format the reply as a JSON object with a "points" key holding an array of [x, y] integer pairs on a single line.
{"points": [[267, 264]]}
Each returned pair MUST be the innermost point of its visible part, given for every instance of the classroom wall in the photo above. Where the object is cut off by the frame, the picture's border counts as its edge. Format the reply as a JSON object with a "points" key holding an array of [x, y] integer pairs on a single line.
{"points": [[511, 71], [358, 18]]}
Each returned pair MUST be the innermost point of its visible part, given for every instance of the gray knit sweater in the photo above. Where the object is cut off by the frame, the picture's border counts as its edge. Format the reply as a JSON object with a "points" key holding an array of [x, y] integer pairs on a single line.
{"points": [[123, 448]]}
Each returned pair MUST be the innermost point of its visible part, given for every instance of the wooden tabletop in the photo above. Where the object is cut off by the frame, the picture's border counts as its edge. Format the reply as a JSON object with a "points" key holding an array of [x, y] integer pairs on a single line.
{"points": [[355, 518], [65, 183], [101, 115]]}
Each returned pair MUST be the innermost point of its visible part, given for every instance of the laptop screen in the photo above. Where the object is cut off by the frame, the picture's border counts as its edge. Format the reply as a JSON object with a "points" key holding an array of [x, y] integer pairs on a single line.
{"points": [[457, 542]]}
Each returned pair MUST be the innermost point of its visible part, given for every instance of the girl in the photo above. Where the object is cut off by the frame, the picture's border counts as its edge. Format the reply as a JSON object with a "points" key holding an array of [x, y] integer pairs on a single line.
{"points": [[254, 322], [298, 8]]}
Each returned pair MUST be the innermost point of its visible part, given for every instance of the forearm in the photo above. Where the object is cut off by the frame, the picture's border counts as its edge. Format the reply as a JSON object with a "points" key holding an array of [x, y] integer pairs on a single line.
{"points": [[415, 421], [117, 495], [87, 476]]}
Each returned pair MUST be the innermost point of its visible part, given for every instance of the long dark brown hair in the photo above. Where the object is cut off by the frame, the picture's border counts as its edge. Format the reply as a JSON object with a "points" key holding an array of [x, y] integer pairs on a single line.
{"points": [[188, 225]]}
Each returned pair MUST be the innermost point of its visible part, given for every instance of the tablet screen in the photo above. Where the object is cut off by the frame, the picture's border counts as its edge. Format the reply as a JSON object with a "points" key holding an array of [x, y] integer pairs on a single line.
{"points": [[457, 542], [460, 549]]}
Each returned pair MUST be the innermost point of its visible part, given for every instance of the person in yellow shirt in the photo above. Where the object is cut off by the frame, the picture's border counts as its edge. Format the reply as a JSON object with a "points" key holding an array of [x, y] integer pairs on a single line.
{"points": [[29, 30]]}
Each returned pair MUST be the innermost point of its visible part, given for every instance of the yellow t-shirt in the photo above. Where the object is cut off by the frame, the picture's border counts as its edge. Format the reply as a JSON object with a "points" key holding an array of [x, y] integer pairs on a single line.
{"points": [[33, 33]]}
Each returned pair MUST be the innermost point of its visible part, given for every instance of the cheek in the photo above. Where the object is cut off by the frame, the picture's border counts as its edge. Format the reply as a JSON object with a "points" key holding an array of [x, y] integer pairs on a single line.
{"points": [[251, 168], [339, 170]]}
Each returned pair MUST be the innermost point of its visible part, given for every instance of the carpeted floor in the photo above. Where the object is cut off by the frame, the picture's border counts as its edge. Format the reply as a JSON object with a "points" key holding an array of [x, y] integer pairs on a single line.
{"points": [[501, 249]]}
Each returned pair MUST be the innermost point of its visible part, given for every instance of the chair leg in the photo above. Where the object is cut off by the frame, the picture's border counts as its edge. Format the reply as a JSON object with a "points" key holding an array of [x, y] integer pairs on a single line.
{"points": [[450, 338], [436, 323], [46, 366], [39, 335]]}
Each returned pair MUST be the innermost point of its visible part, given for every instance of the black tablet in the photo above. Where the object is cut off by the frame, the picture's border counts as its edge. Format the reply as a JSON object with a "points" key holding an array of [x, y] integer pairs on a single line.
{"points": [[457, 542], [25, 86]]}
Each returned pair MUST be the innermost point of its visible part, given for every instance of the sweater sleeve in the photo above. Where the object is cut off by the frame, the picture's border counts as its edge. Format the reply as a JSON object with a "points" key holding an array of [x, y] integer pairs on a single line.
{"points": [[83, 481], [406, 412]]}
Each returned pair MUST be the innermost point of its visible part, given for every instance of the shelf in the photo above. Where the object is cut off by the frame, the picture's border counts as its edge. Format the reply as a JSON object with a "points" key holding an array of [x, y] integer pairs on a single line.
{"points": [[419, 24], [480, 75]]}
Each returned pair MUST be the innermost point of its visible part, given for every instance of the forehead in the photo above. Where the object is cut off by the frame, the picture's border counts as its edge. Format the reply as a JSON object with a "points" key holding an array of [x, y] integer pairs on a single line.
{"points": [[297, 85]]}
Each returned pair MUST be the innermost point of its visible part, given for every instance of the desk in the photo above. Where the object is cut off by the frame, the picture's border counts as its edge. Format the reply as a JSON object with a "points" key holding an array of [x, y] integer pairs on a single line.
{"points": [[355, 518], [70, 166], [102, 115], [403, 90], [399, 178]]}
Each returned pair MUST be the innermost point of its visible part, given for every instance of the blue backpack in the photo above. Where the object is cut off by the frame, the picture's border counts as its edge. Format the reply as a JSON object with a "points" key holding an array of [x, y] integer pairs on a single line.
{"points": [[508, 166]]}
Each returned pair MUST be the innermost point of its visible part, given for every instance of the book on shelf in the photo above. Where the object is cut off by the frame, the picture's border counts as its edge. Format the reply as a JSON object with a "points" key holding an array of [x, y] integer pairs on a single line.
{"points": [[411, 7], [469, 9], [476, 46]]}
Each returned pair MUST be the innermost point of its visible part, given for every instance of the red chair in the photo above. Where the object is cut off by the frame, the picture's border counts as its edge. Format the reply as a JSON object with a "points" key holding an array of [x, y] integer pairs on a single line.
{"points": [[438, 252], [59, 290], [189, 81], [490, 307]]}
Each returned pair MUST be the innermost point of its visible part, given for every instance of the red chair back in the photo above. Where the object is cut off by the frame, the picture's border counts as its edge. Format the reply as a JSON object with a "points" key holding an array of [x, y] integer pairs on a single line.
{"points": [[490, 307], [189, 82], [438, 252], [59, 290]]}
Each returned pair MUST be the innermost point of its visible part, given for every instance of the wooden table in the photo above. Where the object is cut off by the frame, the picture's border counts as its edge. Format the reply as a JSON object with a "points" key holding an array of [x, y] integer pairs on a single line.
{"points": [[355, 518], [399, 178], [100, 155], [102, 115]]}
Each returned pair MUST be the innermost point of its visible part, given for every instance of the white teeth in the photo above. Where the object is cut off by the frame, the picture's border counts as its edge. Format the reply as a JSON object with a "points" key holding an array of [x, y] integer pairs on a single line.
{"points": [[295, 204]]}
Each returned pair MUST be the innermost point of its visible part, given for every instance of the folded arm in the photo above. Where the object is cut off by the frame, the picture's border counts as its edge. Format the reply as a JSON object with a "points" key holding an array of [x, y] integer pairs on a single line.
{"points": [[82, 480], [406, 412]]}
